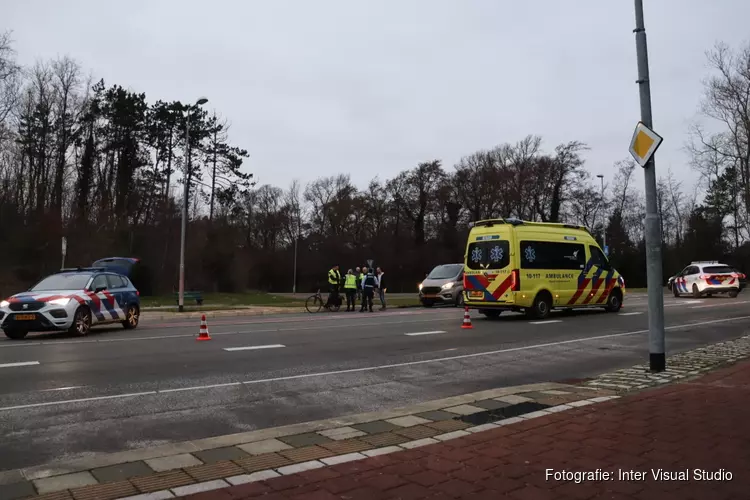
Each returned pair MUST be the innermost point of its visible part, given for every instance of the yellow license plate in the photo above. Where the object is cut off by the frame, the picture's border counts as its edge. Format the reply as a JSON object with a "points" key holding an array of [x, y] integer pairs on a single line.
{"points": [[476, 295], [25, 317]]}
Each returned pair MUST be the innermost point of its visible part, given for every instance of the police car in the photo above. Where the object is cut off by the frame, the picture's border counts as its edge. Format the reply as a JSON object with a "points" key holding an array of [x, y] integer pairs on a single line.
{"points": [[707, 278], [72, 300]]}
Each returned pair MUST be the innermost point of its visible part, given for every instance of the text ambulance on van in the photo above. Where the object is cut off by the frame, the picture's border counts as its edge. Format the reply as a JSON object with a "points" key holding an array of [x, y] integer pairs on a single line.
{"points": [[534, 267]]}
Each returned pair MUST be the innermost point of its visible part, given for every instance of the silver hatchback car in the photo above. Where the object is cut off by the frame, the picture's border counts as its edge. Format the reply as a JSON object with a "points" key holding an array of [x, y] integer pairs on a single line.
{"points": [[443, 285]]}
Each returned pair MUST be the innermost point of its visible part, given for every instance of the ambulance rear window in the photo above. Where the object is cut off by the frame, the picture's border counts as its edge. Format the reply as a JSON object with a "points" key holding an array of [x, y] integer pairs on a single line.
{"points": [[493, 254]]}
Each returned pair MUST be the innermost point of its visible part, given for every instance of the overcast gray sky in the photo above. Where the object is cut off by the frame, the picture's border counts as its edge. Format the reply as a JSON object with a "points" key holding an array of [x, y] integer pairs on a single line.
{"points": [[371, 88]]}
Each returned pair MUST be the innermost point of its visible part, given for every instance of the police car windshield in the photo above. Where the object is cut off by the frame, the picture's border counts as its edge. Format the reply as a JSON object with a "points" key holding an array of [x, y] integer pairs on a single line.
{"points": [[64, 281], [718, 270], [445, 271]]}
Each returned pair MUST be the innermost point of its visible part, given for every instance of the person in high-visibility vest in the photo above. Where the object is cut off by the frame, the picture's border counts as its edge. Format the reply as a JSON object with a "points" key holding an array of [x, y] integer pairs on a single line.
{"points": [[350, 289], [334, 282]]}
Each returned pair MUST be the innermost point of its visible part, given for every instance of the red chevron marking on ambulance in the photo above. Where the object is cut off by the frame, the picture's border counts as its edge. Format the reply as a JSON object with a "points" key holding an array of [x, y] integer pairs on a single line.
{"points": [[607, 291], [581, 288]]}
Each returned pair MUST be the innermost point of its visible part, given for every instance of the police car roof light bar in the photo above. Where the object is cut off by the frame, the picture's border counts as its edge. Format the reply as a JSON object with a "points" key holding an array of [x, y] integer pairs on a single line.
{"points": [[68, 269]]}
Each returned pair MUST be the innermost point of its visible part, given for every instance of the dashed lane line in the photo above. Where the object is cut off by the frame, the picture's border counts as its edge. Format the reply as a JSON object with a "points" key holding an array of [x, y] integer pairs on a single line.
{"points": [[415, 334], [23, 363], [254, 347]]}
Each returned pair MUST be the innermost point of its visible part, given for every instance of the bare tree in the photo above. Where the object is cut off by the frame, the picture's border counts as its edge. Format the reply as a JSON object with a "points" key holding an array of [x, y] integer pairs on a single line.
{"points": [[10, 77], [726, 102]]}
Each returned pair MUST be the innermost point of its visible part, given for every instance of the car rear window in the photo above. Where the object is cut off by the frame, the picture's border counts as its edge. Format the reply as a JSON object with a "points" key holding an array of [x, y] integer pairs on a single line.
{"points": [[64, 281], [718, 270], [493, 254]]}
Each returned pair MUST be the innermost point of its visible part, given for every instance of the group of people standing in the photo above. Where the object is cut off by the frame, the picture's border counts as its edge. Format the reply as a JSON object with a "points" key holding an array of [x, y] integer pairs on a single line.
{"points": [[359, 284]]}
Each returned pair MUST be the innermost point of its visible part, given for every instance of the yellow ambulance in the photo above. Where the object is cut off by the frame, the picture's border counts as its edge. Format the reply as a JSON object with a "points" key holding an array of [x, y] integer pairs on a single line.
{"points": [[535, 267]]}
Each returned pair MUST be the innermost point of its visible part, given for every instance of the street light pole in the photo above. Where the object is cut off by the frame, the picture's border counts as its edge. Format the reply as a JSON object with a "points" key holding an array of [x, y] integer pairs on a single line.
{"points": [[185, 198], [604, 233], [657, 356], [294, 285]]}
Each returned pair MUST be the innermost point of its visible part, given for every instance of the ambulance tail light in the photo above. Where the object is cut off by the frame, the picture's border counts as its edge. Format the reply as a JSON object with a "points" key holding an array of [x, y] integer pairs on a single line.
{"points": [[515, 281]]}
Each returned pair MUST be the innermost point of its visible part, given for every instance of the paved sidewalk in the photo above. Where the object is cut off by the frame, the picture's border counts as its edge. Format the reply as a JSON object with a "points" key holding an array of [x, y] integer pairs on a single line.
{"points": [[694, 427]]}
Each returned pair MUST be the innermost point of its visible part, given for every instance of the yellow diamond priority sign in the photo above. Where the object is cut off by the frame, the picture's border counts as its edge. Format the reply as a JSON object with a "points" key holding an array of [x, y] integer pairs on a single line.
{"points": [[644, 144]]}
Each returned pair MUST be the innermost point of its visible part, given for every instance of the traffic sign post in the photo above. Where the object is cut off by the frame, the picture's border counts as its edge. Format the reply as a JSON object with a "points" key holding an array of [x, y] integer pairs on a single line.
{"points": [[64, 251], [644, 144]]}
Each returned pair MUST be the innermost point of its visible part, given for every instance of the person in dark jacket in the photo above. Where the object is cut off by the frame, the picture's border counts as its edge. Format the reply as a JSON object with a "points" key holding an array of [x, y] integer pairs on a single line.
{"points": [[369, 283]]}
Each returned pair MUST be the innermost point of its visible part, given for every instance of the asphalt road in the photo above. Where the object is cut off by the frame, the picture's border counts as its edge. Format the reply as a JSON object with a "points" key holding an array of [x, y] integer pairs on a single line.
{"points": [[64, 397]]}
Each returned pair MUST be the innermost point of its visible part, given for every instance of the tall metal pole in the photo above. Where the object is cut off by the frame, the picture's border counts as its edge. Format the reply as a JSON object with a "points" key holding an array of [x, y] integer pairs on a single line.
{"points": [[294, 285], [186, 193], [657, 357], [604, 235]]}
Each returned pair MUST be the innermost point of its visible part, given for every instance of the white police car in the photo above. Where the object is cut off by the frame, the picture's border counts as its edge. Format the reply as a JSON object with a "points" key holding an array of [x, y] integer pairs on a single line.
{"points": [[706, 278], [72, 300]]}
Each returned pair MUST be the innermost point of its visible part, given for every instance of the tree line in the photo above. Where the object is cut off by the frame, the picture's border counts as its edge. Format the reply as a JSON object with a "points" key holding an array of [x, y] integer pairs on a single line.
{"points": [[104, 167]]}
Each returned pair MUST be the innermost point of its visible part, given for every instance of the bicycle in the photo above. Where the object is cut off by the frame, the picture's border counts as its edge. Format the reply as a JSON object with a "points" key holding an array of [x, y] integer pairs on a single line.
{"points": [[315, 303]]}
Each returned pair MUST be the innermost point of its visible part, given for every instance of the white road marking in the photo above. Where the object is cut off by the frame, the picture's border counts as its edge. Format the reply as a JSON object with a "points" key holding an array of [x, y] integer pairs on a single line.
{"points": [[23, 363], [253, 347], [722, 304], [424, 333], [63, 388], [547, 322], [631, 313], [374, 368], [81, 400], [182, 389]]}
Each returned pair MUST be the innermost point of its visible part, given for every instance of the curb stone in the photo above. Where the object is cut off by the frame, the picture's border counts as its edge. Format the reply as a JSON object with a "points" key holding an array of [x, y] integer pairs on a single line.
{"points": [[681, 366]]}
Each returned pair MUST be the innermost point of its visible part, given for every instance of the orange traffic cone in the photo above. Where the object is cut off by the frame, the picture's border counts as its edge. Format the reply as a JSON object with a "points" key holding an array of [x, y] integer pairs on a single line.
{"points": [[203, 334], [467, 319]]}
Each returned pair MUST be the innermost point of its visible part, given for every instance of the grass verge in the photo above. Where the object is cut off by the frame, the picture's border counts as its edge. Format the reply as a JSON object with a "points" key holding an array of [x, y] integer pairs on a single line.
{"points": [[228, 301]]}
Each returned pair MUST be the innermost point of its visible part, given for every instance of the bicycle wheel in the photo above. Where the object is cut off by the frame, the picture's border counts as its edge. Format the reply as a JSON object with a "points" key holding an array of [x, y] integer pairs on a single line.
{"points": [[314, 304]]}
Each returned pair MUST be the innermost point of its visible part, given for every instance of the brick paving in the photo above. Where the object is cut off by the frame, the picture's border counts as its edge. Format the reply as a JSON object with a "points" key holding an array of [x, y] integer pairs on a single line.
{"points": [[696, 424]]}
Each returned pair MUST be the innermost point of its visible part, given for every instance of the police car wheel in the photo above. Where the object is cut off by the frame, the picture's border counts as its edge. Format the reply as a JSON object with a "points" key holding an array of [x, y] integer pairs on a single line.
{"points": [[696, 292], [15, 334], [734, 293], [81, 322], [132, 315]]}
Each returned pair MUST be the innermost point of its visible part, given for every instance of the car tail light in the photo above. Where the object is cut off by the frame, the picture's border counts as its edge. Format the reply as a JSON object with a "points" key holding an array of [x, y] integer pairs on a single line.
{"points": [[515, 281], [704, 276], [137, 293]]}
